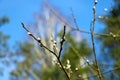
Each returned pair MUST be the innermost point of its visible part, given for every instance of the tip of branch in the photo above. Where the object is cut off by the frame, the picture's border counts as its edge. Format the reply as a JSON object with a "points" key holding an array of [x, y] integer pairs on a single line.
{"points": [[22, 23], [24, 27], [96, 1], [64, 27]]}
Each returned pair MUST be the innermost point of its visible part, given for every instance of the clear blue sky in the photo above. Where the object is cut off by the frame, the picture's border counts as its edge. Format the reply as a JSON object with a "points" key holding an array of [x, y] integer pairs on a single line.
{"points": [[23, 11]]}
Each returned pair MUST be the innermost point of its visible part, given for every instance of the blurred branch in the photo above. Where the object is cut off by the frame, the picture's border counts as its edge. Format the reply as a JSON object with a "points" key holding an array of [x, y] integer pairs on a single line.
{"points": [[74, 18], [110, 34], [33, 74], [95, 68], [92, 26], [81, 56], [116, 68]]}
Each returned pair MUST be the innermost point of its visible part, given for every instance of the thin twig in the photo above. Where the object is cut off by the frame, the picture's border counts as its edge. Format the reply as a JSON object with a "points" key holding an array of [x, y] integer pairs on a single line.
{"points": [[80, 30], [92, 37], [63, 68], [38, 40], [91, 67], [32, 74], [116, 68], [74, 18], [77, 29], [62, 41], [42, 45], [81, 56]]}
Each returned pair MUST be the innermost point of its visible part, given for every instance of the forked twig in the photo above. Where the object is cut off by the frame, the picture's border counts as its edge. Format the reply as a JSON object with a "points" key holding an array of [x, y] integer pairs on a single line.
{"points": [[80, 30], [99, 73], [42, 45]]}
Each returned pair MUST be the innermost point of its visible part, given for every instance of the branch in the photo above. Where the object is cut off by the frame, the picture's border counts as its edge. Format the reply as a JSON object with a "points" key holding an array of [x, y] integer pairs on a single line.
{"points": [[92, 26], [38, 40], [32, 74], [116, 68], [74, 18], [62, 41], [80, 30], [81, 56], [42, 45]]}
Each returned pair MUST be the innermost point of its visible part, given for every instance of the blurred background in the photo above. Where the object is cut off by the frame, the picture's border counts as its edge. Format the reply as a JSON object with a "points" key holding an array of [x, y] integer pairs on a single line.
{"points": [[21, 58]]}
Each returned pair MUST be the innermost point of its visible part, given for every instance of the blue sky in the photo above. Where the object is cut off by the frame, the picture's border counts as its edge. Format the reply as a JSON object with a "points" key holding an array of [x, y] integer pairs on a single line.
{"points": [[23, 11], [18, 11]]}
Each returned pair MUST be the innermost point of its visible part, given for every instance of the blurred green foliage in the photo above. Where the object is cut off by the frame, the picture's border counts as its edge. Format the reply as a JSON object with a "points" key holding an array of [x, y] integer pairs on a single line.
{"points": [[4, 47], [4, 20], [74, 51], [54, 72], [110, 48]]}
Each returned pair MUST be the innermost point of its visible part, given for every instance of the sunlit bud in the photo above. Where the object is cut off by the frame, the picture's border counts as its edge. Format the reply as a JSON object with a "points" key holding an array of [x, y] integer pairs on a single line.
{"points": [[105, 9], [54, 42], [100, 17], [94, 7], [29, 33], [38, 39], [54, 45], [68, 61], [96, 1], [68, 66], [114, 36], [87, 61], [76, 69]]}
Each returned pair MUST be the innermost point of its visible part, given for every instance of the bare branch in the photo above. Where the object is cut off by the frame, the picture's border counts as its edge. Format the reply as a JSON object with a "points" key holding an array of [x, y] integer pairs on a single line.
{"points": [[38, 40], [74, 18], [62, 41], [95, 68], [80, 30], [92, 26], [116, 68], [42, 45]]}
